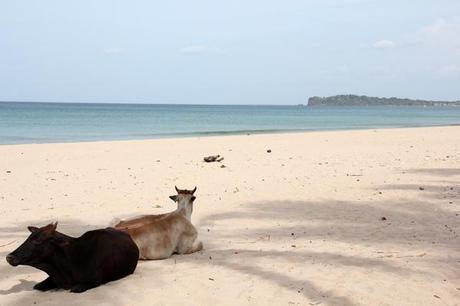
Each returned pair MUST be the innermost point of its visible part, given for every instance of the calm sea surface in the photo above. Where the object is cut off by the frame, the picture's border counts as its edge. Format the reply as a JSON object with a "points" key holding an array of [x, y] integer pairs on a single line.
{"points": [[22, 122]]}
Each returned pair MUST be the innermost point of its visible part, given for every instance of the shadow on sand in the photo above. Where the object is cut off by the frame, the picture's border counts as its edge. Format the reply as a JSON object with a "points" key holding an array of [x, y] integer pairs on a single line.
{"points": [[357, 224], [24, 285], [437, 171], [404, 224]]}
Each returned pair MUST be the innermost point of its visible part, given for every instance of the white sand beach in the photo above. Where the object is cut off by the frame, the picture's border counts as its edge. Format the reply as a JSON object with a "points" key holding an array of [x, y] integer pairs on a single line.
{"points": [[369, 217]]}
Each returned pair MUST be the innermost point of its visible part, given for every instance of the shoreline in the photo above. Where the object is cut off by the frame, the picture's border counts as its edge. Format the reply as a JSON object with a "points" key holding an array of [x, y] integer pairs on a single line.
{"points": [[231, 133]]}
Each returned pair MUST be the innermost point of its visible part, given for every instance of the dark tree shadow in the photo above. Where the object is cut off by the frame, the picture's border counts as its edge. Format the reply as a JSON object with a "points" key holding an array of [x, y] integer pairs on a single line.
{"points": [[343, 221], [355, 223], [402, 223], [437, 171], [427, 187]]}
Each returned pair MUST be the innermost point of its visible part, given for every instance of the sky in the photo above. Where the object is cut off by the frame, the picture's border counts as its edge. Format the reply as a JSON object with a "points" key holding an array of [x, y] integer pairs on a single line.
{"points": [[227, 52]]}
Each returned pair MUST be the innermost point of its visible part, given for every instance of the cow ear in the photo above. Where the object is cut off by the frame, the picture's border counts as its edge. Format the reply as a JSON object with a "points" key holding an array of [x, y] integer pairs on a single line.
{"points": [[50, 227], [173, 197], [32, 229], [193, 198]]}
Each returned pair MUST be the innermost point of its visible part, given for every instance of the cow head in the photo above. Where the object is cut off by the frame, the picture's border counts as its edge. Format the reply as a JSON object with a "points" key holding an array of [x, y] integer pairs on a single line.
{"points": [[38, 247], [184, 197]]}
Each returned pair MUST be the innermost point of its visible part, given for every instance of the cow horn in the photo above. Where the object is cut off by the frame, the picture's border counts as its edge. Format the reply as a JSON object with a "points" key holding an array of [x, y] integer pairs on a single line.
{"points": [[177, 189], [194, 189]]}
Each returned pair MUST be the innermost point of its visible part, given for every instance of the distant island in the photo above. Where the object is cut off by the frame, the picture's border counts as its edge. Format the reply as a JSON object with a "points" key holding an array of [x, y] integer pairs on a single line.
{"points": [[355, 100]]}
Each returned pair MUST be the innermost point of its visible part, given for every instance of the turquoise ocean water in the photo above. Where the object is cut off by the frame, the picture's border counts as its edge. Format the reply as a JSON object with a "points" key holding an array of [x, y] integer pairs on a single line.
{"points": [[24, 122]]}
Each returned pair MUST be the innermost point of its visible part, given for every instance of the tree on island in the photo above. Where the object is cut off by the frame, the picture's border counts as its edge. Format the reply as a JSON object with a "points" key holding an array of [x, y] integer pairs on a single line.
{"points": [[355, 100]]}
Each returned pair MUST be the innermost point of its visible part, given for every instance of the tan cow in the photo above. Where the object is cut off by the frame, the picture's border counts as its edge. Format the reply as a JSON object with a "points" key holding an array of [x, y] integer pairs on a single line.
{"points": [[160, 236]]}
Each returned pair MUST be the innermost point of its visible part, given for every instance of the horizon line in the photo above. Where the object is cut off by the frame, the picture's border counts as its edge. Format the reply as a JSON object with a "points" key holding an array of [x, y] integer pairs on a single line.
{"points": [[152, 103]]}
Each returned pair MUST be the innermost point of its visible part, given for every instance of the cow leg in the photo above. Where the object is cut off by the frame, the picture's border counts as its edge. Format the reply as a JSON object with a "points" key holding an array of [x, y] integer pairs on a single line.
{"points": [[184, 244], [189, 244], [82, 287], [45, 285]]}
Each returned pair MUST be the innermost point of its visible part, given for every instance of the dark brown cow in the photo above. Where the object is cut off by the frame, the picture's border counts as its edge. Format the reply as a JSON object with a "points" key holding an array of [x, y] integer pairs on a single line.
{"points": [[78, 264]]}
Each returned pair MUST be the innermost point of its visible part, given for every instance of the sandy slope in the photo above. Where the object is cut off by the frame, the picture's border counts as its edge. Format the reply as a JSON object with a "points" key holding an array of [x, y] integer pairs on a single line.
{"points": [[298, 226]]}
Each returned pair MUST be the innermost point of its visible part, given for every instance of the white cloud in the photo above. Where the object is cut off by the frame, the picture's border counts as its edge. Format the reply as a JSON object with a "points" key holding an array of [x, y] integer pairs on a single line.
{"points": [[384, 44], [439, 25], [114, 50]]}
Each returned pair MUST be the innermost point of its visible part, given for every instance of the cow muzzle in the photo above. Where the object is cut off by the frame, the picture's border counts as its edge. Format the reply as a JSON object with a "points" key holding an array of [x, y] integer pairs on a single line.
{"points": [[12, 260]]}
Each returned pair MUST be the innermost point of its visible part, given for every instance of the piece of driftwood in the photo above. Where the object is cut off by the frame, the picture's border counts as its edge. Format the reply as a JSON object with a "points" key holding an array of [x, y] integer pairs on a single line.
{"points": [[213, 158]]}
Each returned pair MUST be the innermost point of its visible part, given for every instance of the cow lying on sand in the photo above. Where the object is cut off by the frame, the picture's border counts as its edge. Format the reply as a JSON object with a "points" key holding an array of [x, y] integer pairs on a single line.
{"points": [[160, 236], [78, 264]]}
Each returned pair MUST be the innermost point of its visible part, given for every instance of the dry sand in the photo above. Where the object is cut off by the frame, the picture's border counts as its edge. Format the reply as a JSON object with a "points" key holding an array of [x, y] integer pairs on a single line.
{"points": [[301, 225]]}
